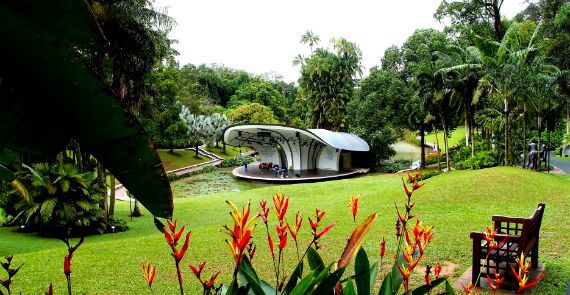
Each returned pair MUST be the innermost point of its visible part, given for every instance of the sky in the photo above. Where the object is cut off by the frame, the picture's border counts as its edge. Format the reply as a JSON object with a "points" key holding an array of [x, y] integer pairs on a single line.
{"points": [[263, 36]]}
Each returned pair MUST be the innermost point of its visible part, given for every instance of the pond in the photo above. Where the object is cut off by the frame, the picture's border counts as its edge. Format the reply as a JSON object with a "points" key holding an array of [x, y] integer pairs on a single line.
{"points": [[211, 183], [407, 151]]}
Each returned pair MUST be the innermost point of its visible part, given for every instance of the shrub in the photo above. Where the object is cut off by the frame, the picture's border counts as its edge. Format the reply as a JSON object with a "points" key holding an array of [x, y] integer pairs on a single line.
{"points": [[236, 161], [207, 169], [483, 159], [394, 166]]}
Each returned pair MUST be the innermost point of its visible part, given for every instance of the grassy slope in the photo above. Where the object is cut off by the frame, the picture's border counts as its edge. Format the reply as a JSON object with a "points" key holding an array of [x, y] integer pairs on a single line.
{"points": [[181, 158], [455, 204], [231, 151], [456, 137]]}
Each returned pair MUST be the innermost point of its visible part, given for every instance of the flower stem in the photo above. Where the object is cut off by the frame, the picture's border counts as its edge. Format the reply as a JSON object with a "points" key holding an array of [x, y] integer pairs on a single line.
{"points": [[68, 277], [179, 278]]}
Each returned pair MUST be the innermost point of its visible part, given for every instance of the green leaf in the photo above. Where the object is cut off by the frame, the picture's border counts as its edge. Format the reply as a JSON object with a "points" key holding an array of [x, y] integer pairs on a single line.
{"points": [[329, 281], [362, 272], [304, 285], [249, 277], [42, 45], [373, 274], [295, 277], [315, 261], [268, 289], [386, 287], [349, 288], [448, 289]]}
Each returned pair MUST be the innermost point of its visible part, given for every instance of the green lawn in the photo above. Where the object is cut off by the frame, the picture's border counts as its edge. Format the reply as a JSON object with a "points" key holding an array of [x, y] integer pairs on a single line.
{"points": [[231, 151], [562, 158], [455, 203], [456, 137], [180, 158]]}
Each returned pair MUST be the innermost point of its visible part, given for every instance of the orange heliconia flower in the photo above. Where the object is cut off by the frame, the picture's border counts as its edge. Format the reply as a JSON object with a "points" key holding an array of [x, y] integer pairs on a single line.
{"points": [[241, 232], [522, 274], [264, 211], [469, 288], [496, 282], [198, 273], [172, 238], [282, 234], [354, 206], [295, 230], [405, 272], [315, 225], [149, 273], [281, 204]]}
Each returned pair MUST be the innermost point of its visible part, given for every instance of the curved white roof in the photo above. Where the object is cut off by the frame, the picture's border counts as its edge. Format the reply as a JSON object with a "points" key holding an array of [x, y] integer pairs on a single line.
{"points": [[342, 140], [339, 140]]}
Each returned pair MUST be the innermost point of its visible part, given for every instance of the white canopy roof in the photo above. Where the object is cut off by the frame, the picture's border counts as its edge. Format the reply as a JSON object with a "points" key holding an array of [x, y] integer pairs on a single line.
{"points": [[241, 134]]}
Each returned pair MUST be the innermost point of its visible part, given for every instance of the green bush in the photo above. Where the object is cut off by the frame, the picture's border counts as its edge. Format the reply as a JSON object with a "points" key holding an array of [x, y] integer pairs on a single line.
{"points": [[482, 159], [394, 166], [236, 161], [118, 224]]}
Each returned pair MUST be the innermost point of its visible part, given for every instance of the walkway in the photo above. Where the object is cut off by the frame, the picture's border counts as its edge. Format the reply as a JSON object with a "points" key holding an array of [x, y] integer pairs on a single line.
{"points": [[564, 165]]}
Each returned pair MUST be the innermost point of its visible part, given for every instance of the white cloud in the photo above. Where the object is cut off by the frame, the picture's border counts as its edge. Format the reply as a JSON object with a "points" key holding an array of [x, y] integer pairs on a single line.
{"points": [[262, 36]]}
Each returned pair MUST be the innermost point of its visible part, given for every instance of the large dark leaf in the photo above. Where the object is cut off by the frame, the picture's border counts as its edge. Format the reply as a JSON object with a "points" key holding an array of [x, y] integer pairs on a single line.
{"points": [[362, 273], [48, 96]]}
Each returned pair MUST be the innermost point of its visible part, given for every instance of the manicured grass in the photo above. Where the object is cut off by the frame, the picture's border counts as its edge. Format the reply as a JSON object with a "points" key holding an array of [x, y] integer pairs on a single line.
{"points": [[455, 203], [456, 137], [180, 158], [231, 151]]}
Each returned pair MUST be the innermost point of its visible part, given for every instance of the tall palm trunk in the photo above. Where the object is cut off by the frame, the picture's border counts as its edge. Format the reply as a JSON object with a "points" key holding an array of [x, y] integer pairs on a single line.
{"points": [[539, 119], [445, 142], [467, 128], [472, 131], [422, 149], [101, 178], [524, 139], [437, 148], [112, 197], [507, 133]]}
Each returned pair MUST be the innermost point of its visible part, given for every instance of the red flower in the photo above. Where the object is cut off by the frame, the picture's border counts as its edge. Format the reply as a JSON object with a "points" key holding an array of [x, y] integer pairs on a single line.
{"points": [[270, 241], [149, 273], [198, 273], [282, 234], [212, 280], [67, 264], [264, 211], [437, 270], [522, 274], [172, 239], [495, 283], [408, 192], [469, 288], [383, 247], [354, 206]]}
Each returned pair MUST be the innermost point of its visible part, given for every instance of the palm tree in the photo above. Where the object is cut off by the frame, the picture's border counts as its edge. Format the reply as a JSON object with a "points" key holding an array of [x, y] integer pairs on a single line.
{"points": [[199, 128], [299, 60], [310, 38], [219, 123]]}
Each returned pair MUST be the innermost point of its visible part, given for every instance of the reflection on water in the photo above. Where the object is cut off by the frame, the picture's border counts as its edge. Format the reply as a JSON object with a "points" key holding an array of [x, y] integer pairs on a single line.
{"points": [[407, 151]]}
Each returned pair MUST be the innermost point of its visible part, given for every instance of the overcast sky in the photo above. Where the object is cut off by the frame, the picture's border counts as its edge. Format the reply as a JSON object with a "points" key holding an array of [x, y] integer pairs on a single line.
{"points": [[261, 36]]}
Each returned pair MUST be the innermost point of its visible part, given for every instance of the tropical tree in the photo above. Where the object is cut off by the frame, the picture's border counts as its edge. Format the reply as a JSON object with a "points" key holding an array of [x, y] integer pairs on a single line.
{"points": [[327, 82], [219, 123], [199, 128], [310, 38], [252, 113]]}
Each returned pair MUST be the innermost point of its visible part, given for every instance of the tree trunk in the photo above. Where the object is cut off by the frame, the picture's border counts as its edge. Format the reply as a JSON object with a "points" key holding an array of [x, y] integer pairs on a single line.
{"points": [[495, 10], [524, 140], [437, 148], [507, 131], [136, 210], [538, 147], [445, 142], [103, 182], [224, 144], [422, 150], [171, 150], [467, 128], [197, 152], [112, 197], [472, 131]]}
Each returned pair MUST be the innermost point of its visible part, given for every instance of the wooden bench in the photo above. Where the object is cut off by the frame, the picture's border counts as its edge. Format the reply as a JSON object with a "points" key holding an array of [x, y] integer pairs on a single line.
{"points": [[521, 235]]}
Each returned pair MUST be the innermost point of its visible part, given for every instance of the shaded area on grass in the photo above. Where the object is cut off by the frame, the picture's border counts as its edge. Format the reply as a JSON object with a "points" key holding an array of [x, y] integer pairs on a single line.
{"points": [[180, 159], [231, 151]]}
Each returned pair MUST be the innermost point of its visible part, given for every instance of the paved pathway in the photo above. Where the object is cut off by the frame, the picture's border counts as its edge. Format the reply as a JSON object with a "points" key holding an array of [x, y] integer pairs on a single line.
{"points": [[564, 165]]}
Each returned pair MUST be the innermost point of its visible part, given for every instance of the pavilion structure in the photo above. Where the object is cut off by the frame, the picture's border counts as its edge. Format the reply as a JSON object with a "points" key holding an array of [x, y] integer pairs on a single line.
{"points": [[299, 154]]}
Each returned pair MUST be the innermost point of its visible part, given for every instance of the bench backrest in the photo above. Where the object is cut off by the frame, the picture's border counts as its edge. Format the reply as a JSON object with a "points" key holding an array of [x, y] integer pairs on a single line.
{"points": [[527, 228]]}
